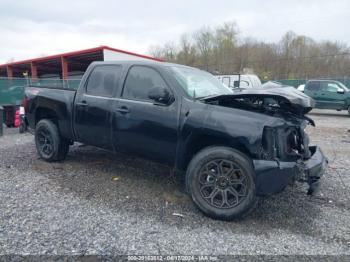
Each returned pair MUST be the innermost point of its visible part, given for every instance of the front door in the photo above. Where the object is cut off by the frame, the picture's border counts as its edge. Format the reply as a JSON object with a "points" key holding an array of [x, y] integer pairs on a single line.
{"points": [[141, 127], [331, 99]]}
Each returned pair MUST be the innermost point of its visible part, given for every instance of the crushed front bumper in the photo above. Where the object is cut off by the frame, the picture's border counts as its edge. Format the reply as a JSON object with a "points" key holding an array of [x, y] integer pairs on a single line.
{"points": [[273, 176]]}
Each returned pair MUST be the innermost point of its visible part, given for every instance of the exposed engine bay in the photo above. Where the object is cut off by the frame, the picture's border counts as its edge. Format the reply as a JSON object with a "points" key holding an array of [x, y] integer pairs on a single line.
{"points": [[272, 101], [286, 142]]}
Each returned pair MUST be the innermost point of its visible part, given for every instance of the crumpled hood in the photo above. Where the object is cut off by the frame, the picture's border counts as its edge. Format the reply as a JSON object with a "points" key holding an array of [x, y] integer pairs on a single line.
{"points": [[288, 98]]}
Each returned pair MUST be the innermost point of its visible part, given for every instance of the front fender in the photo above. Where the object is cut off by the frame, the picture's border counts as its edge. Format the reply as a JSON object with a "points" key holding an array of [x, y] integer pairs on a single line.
{"points": [[209, 125]]}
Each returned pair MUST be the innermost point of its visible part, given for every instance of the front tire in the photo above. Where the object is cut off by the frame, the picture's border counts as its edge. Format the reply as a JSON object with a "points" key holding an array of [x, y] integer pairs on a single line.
{"points": [[221, 182], [349, 110], [50, 145]]}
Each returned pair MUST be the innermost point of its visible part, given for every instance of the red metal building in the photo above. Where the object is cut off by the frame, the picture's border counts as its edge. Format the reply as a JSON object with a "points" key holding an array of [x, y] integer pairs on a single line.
{"points": [[67, 65]]}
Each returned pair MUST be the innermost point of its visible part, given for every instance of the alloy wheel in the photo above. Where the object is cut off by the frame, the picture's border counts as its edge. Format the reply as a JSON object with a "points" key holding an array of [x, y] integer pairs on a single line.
{"points": [[223, 184]]}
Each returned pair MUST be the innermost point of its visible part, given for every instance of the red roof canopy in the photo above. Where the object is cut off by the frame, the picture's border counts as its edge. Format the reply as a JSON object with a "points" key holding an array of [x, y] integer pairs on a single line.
{"points": [[68, 54]]}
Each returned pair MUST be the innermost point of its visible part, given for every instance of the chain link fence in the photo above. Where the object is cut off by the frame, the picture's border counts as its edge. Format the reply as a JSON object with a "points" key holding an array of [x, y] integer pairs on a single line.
{"points": [[12, 89]]}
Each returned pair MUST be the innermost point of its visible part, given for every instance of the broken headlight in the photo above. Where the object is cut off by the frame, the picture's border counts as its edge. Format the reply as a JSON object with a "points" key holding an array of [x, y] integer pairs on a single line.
{"points": [[285, 143]]}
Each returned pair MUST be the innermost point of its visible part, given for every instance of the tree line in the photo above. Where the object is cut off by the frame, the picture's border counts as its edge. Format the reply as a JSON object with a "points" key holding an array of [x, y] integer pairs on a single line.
{"points": [[221, 50]]}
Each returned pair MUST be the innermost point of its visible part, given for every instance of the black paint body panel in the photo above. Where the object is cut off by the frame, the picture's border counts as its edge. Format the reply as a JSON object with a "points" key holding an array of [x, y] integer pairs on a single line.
{"points": [[164, 133]]}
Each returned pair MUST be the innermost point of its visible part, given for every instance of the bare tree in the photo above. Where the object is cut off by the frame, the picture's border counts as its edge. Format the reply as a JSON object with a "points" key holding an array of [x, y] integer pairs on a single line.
{"points": [[294, 56], [204, 42]]}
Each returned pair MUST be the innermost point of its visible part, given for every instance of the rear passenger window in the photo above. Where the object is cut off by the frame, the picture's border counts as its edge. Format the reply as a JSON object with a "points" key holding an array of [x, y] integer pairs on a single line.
{"points": [[139, 81], [103, 80], [313, 86]]}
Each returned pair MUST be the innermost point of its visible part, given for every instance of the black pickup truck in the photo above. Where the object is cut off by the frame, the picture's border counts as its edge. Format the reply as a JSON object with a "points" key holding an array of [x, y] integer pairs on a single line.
{"points": [[233, 147]]}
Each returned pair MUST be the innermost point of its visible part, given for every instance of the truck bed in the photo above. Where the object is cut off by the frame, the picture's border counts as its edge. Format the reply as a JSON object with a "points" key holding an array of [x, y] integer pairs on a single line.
{"points": [[59, 99]]}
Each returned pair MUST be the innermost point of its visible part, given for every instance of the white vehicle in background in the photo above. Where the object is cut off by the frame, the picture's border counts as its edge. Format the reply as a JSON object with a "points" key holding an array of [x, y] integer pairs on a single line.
{"points": [[239, 81], [301, 88]]}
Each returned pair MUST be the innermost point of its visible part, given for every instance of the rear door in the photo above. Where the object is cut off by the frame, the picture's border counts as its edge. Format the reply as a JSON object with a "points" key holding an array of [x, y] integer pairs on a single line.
{"points": [[93, 106], [141, 127]]}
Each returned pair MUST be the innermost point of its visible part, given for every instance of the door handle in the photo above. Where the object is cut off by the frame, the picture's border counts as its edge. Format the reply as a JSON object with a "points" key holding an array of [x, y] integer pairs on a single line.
{"points": [[123, 110], [82, 103]]}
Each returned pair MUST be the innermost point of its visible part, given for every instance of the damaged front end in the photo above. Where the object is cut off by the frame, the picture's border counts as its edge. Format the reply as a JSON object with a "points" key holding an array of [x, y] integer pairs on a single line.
{"points": [[284, 154], [287, 157]]}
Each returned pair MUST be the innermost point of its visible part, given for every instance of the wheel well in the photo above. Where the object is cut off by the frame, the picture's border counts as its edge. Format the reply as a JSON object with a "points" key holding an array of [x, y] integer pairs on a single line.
{"points": [[205, 141], [45, 113]]}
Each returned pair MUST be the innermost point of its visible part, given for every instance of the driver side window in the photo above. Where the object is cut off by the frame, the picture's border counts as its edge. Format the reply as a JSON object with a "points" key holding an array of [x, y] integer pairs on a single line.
{"points": [[330, 87], [139, 81]]}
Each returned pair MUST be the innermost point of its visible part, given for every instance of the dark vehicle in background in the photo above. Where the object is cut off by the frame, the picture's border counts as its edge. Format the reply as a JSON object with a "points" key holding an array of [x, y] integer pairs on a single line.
{"points": [[233, 147], [328, 94]]}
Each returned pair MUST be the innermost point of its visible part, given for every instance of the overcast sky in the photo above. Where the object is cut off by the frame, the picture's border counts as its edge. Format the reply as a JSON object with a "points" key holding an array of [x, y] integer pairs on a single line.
{"points": [[34, 28]]}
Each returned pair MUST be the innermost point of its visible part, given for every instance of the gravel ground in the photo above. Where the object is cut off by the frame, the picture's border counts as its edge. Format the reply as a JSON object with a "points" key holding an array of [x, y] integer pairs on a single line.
{"points": [[99, 203]]}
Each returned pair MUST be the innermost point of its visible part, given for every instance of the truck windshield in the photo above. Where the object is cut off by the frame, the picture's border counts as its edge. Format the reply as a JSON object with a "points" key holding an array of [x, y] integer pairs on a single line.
{"points": [[199, 84]]}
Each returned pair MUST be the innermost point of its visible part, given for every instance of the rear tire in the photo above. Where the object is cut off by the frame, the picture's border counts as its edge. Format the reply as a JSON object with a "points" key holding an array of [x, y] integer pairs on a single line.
{"points": [[349, 110], [221, 182], [50, 145]]}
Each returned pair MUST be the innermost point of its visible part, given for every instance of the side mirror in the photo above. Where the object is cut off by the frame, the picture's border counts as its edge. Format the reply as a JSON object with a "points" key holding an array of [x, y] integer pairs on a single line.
{"points": [[340, 91], [160, 95]]}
